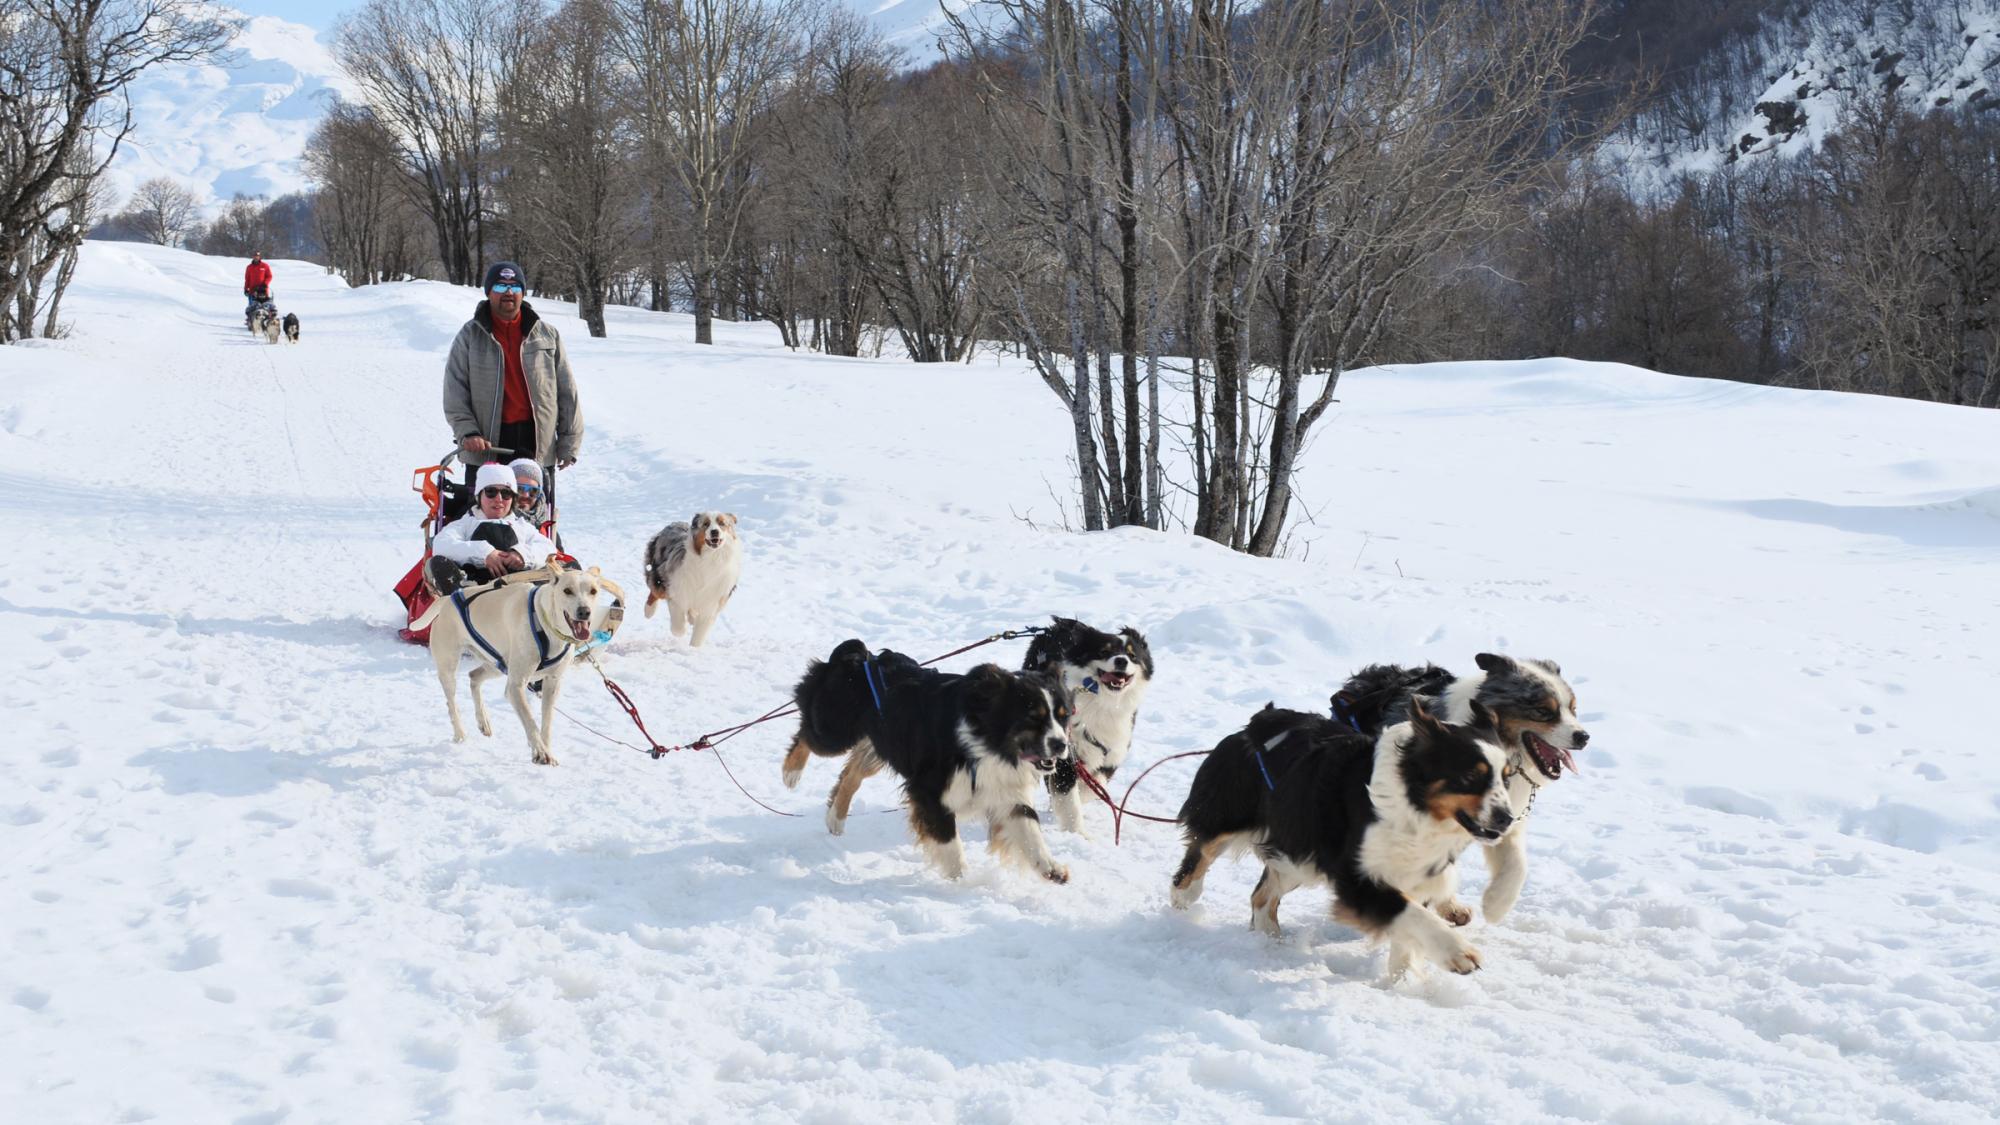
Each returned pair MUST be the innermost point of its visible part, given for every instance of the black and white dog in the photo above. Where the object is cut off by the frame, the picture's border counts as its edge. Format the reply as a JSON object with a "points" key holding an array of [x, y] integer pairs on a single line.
{"points": [[291, 327], [1106, 675], [1381, 819], [971, 745], [1534, 711]]}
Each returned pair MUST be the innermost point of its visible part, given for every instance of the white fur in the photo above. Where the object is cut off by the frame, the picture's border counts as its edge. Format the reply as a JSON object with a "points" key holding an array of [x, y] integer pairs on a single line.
{"points": [[1100, 728], [991, 790], [699, 587], [1410, 850], [1507, 860]]}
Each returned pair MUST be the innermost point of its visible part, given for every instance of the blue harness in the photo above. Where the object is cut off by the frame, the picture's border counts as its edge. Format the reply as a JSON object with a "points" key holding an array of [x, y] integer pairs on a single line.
{"points": [[459, 600]]}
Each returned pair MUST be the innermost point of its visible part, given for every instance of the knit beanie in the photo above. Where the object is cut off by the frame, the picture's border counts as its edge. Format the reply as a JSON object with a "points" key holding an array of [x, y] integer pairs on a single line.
{"points": [[508, 273], [527, 468], [493, 474]]}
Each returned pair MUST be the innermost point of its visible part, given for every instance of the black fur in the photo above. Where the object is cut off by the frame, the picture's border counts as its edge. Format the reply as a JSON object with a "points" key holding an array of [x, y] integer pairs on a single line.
{"points": [[1296, 784], [912, 714], [1379, 695], [291, 327]]}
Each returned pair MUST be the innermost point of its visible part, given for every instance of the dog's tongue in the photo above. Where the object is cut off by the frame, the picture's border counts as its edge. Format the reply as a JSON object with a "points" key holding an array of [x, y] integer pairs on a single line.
{"points": [[1568, 762]]}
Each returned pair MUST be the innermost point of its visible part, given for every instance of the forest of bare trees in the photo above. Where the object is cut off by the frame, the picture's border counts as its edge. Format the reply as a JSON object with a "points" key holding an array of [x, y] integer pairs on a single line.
{"points": [[1190, 217], [65, 66]]}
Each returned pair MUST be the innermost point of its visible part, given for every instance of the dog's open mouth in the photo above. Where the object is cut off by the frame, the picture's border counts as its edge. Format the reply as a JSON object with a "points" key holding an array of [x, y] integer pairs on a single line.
{"points": [[1551, 759], [1046, 765], [579, 626], [1466, 822], [1113, 681]]}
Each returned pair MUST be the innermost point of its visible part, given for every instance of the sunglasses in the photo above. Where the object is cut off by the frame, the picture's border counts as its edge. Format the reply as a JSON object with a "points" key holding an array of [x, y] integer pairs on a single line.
{"points": [[507, 289], [495, 493], [529, 490]]}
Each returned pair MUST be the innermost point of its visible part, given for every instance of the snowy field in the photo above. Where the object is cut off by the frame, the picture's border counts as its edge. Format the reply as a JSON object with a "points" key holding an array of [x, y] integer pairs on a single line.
{"points": [[245, 876]]}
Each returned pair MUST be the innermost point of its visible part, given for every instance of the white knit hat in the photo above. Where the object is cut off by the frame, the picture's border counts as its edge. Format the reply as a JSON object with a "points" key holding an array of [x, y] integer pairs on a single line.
{"points": [[493, 474], [527, 467]]}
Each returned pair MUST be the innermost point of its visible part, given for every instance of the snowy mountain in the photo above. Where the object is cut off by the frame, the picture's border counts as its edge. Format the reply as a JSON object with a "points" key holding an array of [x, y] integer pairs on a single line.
{"points": [[249, 878], [1778, 84], [237, 125]]}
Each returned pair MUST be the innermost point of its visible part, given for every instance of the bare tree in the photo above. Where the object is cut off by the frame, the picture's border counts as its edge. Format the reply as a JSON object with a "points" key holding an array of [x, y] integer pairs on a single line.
{"points": [[64, 68], [166, 211], [427, 69], [359, 209], [705, 71], [569, 141]]}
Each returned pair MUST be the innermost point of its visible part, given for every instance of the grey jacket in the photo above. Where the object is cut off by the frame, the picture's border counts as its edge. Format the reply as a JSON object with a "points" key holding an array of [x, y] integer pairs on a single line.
{"points": [[475, 378]]}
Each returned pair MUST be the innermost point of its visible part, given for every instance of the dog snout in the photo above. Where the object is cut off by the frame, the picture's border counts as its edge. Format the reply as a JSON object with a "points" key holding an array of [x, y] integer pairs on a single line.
{"points": [[1578, 739], [1058, 747], [1501, 820]]}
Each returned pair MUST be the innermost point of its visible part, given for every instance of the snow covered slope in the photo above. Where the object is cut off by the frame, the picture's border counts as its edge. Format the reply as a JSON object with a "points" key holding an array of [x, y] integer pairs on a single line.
{"points": [[247, 876], [237, 125]]}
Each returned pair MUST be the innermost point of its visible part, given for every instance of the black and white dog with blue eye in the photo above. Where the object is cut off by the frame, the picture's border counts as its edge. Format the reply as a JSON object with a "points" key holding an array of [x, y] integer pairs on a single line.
{"points": [[1106, 675], [1533, 710]]}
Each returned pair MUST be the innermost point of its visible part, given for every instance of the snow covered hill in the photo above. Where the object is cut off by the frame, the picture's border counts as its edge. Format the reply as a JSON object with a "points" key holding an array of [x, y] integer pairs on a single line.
{"points": [[247, 877], [237, 125]]}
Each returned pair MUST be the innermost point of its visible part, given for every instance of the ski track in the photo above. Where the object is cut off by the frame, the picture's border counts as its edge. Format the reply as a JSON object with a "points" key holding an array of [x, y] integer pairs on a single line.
{"points": [[248, 878]]}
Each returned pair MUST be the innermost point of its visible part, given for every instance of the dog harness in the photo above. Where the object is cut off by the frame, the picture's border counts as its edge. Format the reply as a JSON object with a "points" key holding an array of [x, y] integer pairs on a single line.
{"points": [[460, 601], [868, 673], [1342, 713]]}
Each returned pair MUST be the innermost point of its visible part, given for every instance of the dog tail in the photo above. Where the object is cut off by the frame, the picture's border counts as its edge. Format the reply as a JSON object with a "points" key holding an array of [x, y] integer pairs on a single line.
{"points": [[1378, 696], [834, 698], [430, 613], [664, 555]]}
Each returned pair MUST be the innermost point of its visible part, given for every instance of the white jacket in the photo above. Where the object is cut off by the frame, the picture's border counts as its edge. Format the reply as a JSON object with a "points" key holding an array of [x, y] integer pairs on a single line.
{"points": [[456, 543]]}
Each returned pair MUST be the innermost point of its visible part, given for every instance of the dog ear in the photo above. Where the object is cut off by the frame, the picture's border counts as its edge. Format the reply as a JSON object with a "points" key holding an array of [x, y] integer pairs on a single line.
{"points": [[1554, 669], [1422, 719], [985, 685], [729, 518], [1492, 662], [1482, 717]]}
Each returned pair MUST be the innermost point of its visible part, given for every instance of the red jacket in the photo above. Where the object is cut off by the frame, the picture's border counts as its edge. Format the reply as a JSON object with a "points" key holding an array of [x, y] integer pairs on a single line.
{"points": [[257, 273]]}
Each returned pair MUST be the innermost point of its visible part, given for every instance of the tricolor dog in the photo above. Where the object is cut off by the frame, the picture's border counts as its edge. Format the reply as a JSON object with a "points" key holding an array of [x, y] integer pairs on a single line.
{"points": [[966, 746], [1534, 710], [1382, 820]]}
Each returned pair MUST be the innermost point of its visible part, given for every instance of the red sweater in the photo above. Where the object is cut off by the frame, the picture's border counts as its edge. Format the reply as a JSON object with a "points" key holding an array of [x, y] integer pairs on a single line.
{"points": [[255, 274], [515, 406]]}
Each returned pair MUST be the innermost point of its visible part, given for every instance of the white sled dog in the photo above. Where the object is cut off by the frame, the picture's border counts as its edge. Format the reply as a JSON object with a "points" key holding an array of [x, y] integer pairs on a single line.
{"points": [[693, 567], [523, 627]]}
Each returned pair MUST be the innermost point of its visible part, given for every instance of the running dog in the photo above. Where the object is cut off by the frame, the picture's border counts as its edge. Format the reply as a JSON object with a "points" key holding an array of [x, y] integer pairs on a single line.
{"points": [[523, 627], [971, 745], [1534, 709], [1106, 675], [693, 567], [266, 324], [291, 326], [1381, 819]]}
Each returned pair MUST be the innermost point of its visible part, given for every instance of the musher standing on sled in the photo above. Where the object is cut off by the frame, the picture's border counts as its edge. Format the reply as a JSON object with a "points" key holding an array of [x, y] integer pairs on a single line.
{"points": [[256, 282], [508, 383]]}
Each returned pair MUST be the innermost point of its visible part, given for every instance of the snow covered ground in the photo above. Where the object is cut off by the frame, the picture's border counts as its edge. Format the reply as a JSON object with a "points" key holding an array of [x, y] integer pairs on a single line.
{"points": [[244, 875]]}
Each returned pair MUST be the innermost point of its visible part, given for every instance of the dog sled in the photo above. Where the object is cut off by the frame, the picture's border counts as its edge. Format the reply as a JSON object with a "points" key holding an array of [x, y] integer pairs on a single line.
{"points": [[447, 494]]}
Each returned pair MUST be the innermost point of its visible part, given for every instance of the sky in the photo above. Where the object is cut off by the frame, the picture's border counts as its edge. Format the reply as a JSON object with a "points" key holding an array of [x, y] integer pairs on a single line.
{"points": [[312, 13]]}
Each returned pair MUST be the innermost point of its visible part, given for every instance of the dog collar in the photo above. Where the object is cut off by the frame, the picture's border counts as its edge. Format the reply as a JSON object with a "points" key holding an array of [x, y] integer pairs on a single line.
{"points": [[1515, 767], [1089, 684]]}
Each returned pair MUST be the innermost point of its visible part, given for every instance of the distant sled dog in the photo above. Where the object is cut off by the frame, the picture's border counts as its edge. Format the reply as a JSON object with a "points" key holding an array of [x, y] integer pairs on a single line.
{"points": [[694, 567], [1106, 675], [1382, 820], [265, 324], [291, 326], [1534, 711], [966, 746]]}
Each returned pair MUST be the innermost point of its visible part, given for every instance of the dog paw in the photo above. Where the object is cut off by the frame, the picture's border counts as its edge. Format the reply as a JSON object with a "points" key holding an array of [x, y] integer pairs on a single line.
{"points": [[792, 778], [1264, 923], [486, 729], [1185, 896], [1464, 960], [1057, 874], [1457, 913], [835, 823], [544, 760]]}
